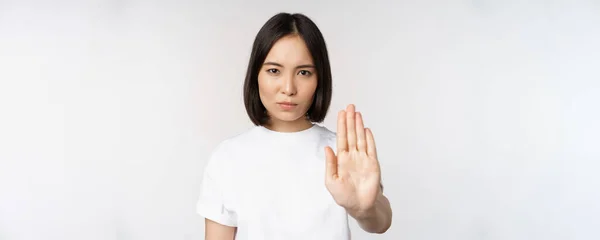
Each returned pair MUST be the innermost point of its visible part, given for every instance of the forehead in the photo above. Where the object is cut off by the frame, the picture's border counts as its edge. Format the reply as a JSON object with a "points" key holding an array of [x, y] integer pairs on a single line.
{"points": [[290, 50]]}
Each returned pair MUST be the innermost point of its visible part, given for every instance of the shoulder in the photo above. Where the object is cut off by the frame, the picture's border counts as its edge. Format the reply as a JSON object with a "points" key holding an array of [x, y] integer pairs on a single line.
{"points": [[234, 142], [325, 132], [326, 136], [231, 144]]}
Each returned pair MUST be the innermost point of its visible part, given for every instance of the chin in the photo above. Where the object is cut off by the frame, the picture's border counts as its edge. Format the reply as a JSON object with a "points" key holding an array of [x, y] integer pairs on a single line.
{"points": [[288, 117]]}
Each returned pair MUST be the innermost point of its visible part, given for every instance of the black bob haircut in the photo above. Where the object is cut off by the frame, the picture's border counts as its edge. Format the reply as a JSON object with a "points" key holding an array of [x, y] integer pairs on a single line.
{"points": [[278, 26]]}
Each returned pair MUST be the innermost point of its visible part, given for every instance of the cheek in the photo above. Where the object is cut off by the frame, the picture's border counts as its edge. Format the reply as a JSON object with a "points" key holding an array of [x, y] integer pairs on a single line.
{"points": [[310, 90], [265, 88], [262, 83]]}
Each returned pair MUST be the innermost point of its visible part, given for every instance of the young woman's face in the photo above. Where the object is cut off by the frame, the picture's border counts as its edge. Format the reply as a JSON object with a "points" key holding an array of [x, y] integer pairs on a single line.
{"points": [[287, 80]]}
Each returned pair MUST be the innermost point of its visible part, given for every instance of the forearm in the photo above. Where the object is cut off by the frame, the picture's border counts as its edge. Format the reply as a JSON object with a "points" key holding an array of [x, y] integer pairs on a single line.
{"points": [[378, 219], [217, 231]]}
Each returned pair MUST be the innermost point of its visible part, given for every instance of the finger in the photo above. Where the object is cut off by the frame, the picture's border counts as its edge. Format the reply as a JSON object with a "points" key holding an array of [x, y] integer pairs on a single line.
{"points": [[331, 166], [342, 138], [371, 148], [361, 141], [351, 127]]}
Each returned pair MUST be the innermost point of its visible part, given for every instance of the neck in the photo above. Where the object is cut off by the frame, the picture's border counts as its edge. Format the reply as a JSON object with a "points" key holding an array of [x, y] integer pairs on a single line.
{"points": [[287, 126]]}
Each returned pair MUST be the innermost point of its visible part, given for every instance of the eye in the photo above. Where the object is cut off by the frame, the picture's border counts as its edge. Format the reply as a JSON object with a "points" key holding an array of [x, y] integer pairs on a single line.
{"points": [[273, 70], [304, 73]]}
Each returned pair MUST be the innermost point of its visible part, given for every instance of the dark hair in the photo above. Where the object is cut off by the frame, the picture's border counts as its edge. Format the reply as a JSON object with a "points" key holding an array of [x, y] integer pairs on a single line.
{"points": [[278, 26]]}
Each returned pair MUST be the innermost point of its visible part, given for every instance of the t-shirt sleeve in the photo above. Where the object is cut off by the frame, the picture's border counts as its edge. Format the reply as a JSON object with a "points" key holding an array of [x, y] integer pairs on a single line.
{"points": [[212, 201]]}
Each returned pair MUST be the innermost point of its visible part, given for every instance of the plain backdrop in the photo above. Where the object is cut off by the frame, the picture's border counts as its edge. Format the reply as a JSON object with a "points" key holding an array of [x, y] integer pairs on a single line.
{"points": [[486, 113]]}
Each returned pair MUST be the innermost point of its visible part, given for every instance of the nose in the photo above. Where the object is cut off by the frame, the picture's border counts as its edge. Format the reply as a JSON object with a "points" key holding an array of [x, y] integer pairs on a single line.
{"points": [[289, 86]]}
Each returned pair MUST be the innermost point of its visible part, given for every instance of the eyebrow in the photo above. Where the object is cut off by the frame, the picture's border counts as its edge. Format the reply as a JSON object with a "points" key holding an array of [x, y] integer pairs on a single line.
{"points": [[299, 66]]}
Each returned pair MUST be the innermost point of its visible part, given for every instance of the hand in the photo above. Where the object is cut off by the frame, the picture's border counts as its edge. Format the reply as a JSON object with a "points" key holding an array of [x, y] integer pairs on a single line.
{"points": [[353, 175]]}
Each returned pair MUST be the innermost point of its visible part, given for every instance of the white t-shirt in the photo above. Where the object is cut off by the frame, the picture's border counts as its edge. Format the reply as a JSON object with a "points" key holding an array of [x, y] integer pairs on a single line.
{"points": [[271, 185]]}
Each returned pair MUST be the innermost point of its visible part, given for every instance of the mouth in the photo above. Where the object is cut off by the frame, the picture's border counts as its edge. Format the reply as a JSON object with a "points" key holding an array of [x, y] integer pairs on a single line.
{"points": [[287, 105]]}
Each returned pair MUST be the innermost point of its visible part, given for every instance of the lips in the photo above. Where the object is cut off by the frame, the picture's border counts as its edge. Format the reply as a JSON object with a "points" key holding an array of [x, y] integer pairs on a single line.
{"points": [[287, 105]]}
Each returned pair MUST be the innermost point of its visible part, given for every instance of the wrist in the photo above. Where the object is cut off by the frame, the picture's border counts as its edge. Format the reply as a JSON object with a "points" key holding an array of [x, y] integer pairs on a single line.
{"points": [[368, 211], [363, 214], [375, 218]]}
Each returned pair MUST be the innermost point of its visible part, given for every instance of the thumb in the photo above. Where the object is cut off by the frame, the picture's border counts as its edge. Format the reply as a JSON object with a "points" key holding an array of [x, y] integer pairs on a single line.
{"points": [[331, 167]]}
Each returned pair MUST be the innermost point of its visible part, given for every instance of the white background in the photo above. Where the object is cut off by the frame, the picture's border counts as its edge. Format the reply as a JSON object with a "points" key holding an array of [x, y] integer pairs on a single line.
{"points": [[486, 113]]}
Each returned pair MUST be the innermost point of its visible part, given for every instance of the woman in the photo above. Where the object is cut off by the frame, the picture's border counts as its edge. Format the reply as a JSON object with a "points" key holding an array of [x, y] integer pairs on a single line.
{"points": [[281, 179]]}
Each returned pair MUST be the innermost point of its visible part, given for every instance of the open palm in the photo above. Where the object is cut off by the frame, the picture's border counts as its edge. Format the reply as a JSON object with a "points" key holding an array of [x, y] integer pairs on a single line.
{"points": [[353, 174]]}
